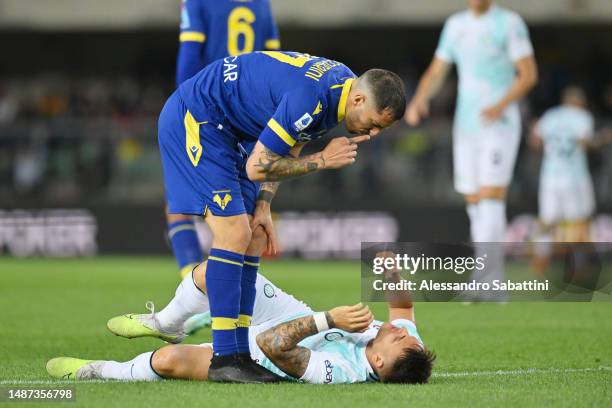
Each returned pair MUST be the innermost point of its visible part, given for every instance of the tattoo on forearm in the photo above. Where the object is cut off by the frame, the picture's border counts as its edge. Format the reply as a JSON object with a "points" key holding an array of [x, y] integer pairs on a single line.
{"points": [[267, 191], [330, 321], [277, 168], [279, 344]]}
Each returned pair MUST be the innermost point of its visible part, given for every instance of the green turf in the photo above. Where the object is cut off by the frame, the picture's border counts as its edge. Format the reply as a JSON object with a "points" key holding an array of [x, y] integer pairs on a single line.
{"points": [[52, 307]]}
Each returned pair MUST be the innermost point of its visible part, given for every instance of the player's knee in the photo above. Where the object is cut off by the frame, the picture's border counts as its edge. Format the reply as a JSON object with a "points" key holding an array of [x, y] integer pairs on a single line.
{"points": [[243, 236], [165, 361], [235, 236]]}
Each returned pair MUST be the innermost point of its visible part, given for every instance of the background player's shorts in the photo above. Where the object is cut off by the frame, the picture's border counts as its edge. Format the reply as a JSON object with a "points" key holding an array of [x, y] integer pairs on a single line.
{"points": [[568, 201], [485, 158], [204, 168]]}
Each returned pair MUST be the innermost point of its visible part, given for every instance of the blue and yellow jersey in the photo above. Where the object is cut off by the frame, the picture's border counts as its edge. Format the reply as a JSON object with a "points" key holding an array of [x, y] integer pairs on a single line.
{"points": [[278, 98], [227, 27]]}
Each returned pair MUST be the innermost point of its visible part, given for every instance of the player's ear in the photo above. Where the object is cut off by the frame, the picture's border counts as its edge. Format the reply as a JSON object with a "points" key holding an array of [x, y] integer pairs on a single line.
{"points": [[359, 99], [379, 362]]}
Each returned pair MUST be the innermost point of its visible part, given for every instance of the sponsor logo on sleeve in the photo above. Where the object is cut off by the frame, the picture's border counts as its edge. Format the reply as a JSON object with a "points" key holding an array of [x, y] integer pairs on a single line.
{"points": [[303, 122]]}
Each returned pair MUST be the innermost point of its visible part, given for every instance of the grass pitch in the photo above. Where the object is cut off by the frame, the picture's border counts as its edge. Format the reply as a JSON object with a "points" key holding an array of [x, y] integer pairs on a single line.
{"points": [[527, 354]]}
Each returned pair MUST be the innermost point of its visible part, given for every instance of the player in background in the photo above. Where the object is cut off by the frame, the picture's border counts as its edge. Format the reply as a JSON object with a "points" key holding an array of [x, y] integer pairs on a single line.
{"points": [[243, 120], [566, 196], [343, 345], [211, 30], [490, 46], [215, 29]]}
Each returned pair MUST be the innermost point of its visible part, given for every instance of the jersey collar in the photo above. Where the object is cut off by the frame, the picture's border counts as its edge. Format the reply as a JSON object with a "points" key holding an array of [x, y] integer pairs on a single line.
{"points": [[346, 88]]}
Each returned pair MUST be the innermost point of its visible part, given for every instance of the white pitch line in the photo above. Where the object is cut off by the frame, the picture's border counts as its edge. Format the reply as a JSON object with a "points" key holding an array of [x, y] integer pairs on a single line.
{"points": [[527, 371], [52, 382]]}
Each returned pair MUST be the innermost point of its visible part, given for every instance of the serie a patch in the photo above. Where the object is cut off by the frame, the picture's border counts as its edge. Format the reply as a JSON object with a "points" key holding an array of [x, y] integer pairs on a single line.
{"points": [[303, 122]]}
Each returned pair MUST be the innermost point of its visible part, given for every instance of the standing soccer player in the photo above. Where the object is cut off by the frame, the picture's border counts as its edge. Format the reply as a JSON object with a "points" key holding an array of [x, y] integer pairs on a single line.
{"points": [[214, 29], [566, 196], [496, 67], [272, 103], [211, 30]]}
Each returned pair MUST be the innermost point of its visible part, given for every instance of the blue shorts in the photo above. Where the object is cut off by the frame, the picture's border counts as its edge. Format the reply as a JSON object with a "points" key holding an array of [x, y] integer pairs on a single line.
{"points": [[204, 166]]}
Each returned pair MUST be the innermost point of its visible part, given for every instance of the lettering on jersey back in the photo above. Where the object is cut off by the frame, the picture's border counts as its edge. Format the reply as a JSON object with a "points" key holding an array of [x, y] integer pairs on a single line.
{"points": [[229, 69], [318, 69]]}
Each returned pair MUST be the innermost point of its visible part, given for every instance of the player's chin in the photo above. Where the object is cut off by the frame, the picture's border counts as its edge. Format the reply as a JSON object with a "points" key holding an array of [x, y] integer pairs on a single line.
{"points": [[384, 330], [351, 129]]}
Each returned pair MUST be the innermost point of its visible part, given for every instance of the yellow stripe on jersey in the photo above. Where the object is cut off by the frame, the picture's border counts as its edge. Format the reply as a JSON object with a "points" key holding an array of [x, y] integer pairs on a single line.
{"points": [[216, 258], [192, 36], [272, 44], [346, 88], [282, 133], [224, 323], [192, 139]]}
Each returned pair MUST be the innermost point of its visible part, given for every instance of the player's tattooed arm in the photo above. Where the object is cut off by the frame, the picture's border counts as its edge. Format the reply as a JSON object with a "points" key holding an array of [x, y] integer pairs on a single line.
{"points": [[280, 344], [267, 191], [275, 167], [265, 165]]}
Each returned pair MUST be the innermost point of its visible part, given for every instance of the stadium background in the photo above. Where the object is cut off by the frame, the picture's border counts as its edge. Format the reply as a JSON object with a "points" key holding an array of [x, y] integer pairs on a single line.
{"points": [[82, 82]]}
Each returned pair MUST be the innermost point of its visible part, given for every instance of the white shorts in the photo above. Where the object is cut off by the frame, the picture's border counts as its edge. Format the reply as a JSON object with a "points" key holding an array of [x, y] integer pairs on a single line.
{"points": [[272, 307], [485, 158], [566, 201]]}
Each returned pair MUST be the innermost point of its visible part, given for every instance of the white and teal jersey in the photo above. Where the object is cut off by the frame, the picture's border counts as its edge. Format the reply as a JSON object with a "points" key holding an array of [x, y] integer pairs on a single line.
{"points": [[339, 357], [485, 49], [562, 129]]}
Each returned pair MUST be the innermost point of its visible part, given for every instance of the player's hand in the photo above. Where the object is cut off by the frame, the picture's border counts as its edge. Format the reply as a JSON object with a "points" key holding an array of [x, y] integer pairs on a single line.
{"points": [[352, 319], [262, 218], [341, 151], [492, 113], [416, 111]]}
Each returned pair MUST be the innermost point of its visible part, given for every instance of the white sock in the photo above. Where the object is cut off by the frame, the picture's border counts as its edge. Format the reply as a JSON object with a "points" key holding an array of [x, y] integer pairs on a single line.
{"points": [[187, 301], [543, 244], [472, 212], [489, 237], [491, 224], [138, 369]]}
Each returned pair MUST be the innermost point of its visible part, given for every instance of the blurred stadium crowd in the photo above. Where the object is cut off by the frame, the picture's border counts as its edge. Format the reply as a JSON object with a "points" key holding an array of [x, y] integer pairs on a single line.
{"points": [[76, 139]]}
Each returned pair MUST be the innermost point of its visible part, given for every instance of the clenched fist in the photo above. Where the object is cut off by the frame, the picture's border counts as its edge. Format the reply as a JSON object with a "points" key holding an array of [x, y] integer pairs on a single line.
{"points": [[352, 319]]}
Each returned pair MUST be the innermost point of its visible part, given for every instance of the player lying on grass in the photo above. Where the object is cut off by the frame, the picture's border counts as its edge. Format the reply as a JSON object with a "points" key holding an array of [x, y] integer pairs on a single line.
{"points": [[342, 345]]}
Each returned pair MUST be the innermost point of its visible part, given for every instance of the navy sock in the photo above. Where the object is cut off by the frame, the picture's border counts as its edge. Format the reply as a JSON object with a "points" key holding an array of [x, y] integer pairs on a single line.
{"points": [[185, 245], [247, 301], [223, 274]]}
